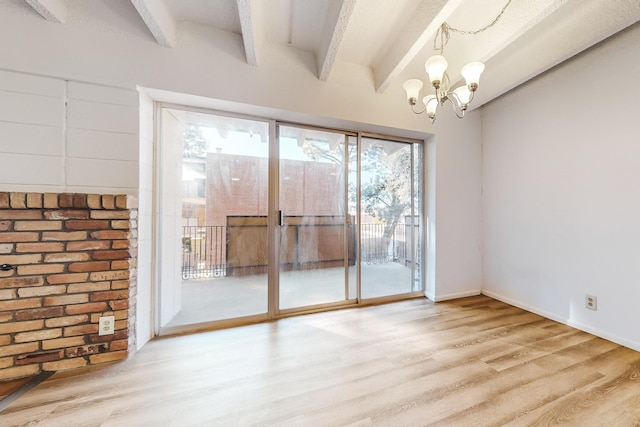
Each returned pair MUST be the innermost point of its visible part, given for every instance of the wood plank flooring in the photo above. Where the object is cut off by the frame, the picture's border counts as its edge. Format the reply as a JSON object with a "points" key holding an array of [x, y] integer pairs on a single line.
{"points": [[468, 362]]}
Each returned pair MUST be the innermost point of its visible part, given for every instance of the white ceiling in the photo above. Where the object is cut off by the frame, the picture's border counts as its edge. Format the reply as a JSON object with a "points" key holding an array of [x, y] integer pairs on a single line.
{"points": [[392, 38]]}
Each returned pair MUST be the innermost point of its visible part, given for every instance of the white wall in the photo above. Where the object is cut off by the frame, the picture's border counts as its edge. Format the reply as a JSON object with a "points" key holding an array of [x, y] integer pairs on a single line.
{"points": [[454, 174], [101, 138], [561, 181], [59, 135], [32, 122]]}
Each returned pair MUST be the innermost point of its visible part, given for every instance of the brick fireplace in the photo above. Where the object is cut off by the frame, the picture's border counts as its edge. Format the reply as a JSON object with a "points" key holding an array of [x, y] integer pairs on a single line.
{"points": [[68, 259]]}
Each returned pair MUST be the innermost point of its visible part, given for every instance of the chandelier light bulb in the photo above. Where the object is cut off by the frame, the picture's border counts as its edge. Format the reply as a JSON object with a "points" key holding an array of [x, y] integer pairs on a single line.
{"points": [[471, 73], [435, 66], [431, 104], [412, 87], [464, 95]]}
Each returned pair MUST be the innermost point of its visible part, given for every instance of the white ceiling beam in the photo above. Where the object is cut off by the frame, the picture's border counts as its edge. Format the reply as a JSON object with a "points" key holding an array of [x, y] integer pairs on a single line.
{"points": [[51, 10], [251, 26], [158, 19], [426, 20], [337, 22], [551, 38]]}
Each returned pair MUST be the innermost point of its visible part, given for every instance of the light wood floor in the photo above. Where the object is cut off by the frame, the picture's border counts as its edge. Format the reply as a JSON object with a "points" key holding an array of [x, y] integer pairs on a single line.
{"points": [[470, 362]]}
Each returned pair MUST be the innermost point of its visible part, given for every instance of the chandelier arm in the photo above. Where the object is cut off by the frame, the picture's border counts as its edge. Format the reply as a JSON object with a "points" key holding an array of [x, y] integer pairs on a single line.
{"points": [[418, 112], [446, 82], [455, 110], [455, 100], [456, 105]]}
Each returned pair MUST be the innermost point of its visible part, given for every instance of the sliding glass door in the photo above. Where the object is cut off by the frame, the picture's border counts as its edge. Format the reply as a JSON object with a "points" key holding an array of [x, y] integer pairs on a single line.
{"points": [[258, 219]]}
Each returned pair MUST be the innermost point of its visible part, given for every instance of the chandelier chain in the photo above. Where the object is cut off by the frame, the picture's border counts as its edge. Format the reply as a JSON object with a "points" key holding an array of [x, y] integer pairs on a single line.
{"points": [[443, 34]]}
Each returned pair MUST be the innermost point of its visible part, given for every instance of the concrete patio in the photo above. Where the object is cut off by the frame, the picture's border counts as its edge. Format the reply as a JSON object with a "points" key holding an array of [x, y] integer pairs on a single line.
{"points": [[206, 300]]}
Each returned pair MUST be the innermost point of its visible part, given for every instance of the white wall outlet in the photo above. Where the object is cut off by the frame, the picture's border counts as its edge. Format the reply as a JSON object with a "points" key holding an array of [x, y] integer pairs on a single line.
{"points": [[106, 325], [591, 302]]}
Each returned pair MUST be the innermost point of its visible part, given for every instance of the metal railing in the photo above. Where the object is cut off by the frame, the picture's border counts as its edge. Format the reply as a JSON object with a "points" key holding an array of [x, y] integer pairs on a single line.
{"points": [[204, 249], [204, 252], [377, 249]]}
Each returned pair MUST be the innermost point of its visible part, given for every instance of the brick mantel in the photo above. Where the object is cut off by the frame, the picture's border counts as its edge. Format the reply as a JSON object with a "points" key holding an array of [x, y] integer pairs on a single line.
{"points": [[73, 260]]}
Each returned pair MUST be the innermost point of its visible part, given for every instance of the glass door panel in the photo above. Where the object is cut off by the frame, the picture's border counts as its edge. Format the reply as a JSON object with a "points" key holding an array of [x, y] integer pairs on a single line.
{"points": [[317, 237], [222, 210], [388, 222]]}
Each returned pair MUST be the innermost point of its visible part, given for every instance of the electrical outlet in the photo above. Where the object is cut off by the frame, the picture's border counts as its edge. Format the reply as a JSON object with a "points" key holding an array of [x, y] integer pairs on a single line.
{"points": [[106, 325], [591, 302]]}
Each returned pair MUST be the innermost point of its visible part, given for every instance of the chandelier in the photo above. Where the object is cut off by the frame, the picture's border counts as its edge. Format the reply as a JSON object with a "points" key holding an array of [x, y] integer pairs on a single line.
{"points": [[460, 97], [436, 68]]}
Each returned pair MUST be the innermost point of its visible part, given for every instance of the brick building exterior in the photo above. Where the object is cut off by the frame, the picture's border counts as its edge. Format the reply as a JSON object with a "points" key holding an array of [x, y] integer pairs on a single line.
{"points": [[237, 185]]}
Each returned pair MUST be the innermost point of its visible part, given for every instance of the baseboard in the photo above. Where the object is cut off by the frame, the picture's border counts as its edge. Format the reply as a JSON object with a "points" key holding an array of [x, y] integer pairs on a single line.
{"points": [[577, 325], [446, 297], [606, 335], [530, 308]]}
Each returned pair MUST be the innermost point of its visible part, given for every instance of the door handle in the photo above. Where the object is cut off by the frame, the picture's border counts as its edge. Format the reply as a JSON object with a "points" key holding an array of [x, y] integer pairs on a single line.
{"points": [[280, 218]]}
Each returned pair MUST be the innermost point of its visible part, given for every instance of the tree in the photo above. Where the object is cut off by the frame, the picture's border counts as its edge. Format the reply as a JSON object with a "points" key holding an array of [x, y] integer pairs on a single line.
{"points": [[194, 146], [386, 180], [386, 195], [317, 150]]}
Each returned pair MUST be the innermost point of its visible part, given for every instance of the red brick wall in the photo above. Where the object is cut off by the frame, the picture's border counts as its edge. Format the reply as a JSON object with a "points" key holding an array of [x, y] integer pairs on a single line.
{"points": [[237, 186], [74, 259], [226, 196]]}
